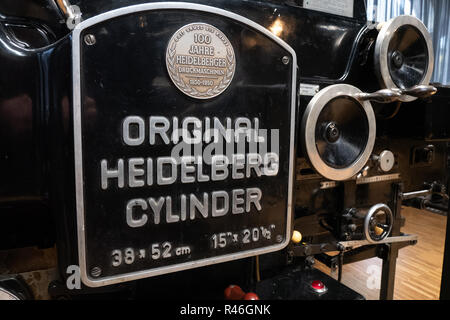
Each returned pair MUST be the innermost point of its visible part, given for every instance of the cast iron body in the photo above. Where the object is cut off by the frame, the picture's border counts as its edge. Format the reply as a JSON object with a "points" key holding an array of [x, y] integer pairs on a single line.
{"points": [[37, 203]]}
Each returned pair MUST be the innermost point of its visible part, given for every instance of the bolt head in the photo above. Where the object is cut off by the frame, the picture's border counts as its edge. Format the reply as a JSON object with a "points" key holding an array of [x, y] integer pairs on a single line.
{"points": [[89, 39], [96, 272], [285, 60], [332, 133], [279, 238]]}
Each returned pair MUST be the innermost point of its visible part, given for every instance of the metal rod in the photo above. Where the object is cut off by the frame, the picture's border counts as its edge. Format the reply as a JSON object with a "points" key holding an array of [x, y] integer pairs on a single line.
{"points": [[64, 6], [360, 243], [416, 194]]}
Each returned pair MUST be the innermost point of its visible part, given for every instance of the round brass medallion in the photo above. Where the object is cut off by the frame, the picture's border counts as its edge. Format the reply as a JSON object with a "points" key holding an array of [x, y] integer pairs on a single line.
{"points": [[200, 60]]}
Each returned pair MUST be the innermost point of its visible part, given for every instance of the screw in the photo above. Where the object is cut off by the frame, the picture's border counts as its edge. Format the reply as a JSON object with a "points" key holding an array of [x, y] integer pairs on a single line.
{"points": [[285, 60], [89, 39], [96, 272], [279, 238]]}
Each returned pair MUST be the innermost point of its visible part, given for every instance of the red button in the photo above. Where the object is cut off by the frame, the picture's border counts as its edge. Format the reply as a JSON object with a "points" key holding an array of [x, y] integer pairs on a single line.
{"points": [[251, 296], [317, 285], [234, 293]]}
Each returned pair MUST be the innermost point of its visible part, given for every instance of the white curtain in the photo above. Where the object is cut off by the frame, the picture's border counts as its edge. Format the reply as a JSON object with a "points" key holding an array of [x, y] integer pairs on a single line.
{"points": [[435, 14]]}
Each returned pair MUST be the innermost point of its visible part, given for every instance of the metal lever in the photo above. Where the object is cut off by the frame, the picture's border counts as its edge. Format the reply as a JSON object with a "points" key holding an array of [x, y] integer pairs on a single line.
{"points": [[393, 95], [421, 91], [359, 243], [381, 96], [416, 194]]}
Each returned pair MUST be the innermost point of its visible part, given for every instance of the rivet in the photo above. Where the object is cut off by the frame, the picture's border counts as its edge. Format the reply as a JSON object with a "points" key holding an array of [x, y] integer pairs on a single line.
{"points": [[96, 272]]}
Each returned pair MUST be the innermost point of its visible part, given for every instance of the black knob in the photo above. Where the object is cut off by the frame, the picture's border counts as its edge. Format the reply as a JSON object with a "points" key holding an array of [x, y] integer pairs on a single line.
{"points": [[397, 59], [332, 132]]}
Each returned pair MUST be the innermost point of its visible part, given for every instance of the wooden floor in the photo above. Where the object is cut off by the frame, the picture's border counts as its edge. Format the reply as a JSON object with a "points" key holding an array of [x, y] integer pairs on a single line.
{"points": [[419, 267]]}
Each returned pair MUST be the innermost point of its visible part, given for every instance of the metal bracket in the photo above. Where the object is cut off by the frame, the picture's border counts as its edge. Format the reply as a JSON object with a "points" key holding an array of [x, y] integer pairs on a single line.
{"points": [[71, 12]]}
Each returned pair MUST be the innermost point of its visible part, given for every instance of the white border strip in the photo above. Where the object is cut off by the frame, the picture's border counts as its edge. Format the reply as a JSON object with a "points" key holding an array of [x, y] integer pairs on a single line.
{"points": [[79, 155]]}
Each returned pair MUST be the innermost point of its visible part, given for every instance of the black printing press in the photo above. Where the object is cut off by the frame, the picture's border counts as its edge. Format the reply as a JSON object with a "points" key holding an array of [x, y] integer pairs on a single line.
{"points": [[212, 149]]}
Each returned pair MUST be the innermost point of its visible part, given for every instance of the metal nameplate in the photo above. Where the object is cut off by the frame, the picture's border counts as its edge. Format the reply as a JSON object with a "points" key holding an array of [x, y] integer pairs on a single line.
{"points": [[309, 89], [338, 7], [324, 185], [176, 168]]}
